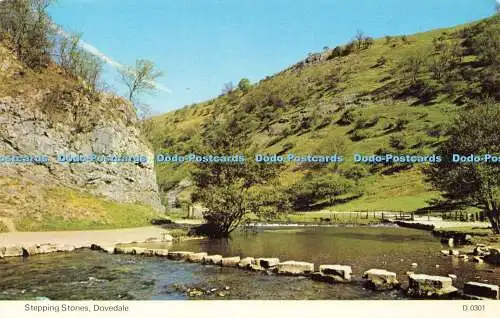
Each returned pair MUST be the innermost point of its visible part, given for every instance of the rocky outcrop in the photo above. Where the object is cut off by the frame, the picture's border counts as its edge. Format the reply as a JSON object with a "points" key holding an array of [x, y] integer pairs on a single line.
{"points": [[427, 286], [67, 121], [381, 279]]}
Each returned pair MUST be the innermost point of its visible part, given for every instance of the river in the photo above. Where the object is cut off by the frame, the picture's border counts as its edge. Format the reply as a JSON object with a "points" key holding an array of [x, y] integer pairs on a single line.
{"points": [[85, 274]]}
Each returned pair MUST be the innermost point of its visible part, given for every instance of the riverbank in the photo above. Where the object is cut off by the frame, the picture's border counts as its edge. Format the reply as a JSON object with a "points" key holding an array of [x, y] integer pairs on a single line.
{"points": [[84, 238]]}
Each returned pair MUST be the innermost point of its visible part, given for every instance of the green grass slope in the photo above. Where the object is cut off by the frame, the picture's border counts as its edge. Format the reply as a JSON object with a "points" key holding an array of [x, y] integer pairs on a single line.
{"points": [[388, 95]]}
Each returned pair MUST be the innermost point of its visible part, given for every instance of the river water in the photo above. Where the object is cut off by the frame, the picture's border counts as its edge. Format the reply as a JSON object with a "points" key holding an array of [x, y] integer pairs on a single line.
{"points": [[86, 274]]}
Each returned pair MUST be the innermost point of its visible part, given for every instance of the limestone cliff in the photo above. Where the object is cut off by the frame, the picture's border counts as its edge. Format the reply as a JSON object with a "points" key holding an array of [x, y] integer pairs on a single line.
{"points": [[47, 113]]}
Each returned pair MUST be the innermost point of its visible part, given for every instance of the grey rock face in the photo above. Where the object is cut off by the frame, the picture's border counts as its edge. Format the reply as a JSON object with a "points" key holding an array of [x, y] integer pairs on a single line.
{"points": [[26, 129]]}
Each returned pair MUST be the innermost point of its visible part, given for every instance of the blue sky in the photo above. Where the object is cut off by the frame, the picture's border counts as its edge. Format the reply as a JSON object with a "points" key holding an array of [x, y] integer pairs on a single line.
{"points": [[202, 44]]}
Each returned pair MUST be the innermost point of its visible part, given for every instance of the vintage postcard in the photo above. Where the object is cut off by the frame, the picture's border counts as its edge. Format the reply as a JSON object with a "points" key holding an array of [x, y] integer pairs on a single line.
{"points": [[330, 158]]}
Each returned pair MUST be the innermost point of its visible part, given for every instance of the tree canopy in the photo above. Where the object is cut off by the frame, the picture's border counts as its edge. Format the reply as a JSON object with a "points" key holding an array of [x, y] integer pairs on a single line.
{"points": [[231, 191], [474, 132]]}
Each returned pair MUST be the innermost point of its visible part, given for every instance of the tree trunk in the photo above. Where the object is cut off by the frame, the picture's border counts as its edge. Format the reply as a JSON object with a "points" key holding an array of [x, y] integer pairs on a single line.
{"points": [[493, 217]]}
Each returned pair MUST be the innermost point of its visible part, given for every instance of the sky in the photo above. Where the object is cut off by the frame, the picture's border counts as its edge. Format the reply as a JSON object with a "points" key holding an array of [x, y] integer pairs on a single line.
{"points": [[202, 44]]}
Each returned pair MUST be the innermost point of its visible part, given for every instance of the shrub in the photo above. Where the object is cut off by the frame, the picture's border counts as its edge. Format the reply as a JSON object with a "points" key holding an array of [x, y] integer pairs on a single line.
{"points": [[287, 146], [436, 131], [244, 85], [398, 141], [401, 124], [359, 135], [347, 118], [355, 172], [381, 61]]}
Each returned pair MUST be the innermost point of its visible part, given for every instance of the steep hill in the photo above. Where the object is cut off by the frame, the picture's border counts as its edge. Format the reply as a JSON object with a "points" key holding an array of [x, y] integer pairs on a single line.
{"points": [[390, 95], [45, 112]]}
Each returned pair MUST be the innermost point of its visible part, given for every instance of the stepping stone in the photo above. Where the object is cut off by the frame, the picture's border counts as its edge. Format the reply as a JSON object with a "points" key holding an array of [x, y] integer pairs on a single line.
{"points": [[246, 262], [267, 263], [481, 291], [381, 279], [295, 268], [212, 260], [161, 252], [230, 261], [341, 273], [179, 255], [11, 251], [196, 257], [421, 285], [124, 250]]}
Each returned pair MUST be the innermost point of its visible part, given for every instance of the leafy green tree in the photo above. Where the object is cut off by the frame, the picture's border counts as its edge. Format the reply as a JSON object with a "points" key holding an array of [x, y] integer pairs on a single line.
{"points": [[244, 85], [231, 190], [140, 78], [316, 187], [488, 44], [412, 66], [477, 184]]}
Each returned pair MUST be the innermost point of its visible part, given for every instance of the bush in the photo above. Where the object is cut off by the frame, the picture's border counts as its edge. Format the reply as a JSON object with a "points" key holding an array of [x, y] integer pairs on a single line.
{"points": [[436, 131], [381, 61], [355, 172], [336, 52], [244, 85], [398, 141], [347, 118], [359, 135], [287, 146]]}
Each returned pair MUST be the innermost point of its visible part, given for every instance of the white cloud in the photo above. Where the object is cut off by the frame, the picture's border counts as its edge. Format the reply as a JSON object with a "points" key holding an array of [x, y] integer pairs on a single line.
{"points": [[106, 59]]}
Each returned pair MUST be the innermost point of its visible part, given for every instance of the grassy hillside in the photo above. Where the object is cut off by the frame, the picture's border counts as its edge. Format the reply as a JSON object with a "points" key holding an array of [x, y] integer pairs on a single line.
{"points": [[389, 95]]}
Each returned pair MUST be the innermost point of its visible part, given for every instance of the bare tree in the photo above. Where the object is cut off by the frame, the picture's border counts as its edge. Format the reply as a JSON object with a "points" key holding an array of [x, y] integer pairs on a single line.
{"points": [[140, 78], [228, 88], [76, 61], [360, 36]]}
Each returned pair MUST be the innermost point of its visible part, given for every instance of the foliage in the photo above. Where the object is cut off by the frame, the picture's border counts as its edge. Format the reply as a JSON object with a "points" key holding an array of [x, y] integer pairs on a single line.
{"points": [[28, 26], [230, 191], [398, 141], [140, 78], [244, 85], [318, 187], [77, 61], [413, 65], [474, 132]]}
